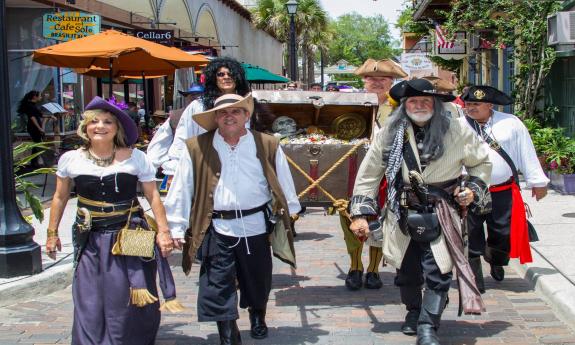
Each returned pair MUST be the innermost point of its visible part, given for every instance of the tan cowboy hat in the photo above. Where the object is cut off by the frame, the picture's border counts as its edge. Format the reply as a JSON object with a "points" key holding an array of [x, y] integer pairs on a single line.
{"points": [[381, 68], [439, 84], [207, 119], [160, 113]]}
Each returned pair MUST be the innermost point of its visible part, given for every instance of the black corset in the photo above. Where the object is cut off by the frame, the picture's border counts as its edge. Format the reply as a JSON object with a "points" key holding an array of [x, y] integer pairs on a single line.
{"points": [[111, 188]]}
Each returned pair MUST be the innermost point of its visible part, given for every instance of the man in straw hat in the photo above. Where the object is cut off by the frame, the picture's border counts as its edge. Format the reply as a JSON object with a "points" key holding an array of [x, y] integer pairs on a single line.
{"points": [[419, 151], [234, 193], [378, 77], [510, 149]]}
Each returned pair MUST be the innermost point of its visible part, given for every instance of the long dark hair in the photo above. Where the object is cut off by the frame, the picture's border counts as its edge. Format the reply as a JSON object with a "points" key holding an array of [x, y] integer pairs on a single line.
{"points": [[211, 88], [24, 102]]}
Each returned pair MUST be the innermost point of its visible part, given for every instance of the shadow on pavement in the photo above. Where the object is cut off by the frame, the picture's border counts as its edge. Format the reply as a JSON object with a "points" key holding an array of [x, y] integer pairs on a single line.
{"points": [[169, 333], [282, 281], [311, 236], [334, 296]]}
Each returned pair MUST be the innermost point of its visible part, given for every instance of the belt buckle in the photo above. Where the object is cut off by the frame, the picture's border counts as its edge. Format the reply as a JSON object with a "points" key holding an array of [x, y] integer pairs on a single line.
{"points": [[495, 145]]}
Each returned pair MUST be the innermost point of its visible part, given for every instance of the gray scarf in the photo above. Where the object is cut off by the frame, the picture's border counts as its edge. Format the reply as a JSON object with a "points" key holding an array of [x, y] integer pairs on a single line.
{"points": [[393, 167]]}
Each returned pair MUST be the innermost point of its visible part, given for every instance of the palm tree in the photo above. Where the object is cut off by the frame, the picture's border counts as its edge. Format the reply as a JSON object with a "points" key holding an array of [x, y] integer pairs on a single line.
{"points": [[310, 20]]}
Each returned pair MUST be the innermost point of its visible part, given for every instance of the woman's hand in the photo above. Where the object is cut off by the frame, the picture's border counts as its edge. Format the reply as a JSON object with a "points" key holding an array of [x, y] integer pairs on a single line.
{"points": [[179, 243], [463, 198], [53, 244], [164, 241]]}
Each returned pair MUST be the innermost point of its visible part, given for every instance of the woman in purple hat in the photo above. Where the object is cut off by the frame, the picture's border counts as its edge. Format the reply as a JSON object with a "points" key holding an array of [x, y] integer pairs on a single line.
{"points": [[115, 296]]}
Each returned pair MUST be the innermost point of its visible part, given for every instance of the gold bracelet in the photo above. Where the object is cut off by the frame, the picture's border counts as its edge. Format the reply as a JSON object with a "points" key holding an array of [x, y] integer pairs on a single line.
{"points": [[52, 232]]}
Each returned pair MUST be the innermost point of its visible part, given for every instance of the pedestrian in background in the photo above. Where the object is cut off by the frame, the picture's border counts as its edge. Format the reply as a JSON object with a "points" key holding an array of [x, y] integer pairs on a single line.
{"points": [[34, 123], [315, 87], [115, 296]]}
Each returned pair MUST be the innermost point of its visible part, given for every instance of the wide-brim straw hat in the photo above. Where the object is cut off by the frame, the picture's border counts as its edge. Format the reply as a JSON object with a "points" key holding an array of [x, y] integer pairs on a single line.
{"points": [[129, 126], [207, 119], [160, 113], [381, 68]]}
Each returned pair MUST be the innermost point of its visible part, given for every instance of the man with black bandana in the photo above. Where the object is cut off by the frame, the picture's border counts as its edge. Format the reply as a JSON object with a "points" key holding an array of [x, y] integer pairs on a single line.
{"points": [[421, 229], [510, 150]]}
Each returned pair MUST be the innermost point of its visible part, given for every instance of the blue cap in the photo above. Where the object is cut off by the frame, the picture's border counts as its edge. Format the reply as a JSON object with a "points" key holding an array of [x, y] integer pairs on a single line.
{"points": [[195, 88]]}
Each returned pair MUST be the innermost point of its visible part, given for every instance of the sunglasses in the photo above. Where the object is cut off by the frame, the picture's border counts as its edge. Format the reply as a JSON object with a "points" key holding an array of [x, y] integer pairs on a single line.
{"points": [[223, 74]]}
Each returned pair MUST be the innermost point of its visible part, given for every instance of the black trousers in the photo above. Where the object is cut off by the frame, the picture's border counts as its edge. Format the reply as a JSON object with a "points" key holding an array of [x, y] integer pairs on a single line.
{"points": [[225, 261], [419, 266], [496, 248]]}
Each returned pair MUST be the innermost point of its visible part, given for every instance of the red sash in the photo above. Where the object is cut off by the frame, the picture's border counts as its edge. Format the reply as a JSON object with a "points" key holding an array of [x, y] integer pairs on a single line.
{"points": [[519, 236], [382, 196]]}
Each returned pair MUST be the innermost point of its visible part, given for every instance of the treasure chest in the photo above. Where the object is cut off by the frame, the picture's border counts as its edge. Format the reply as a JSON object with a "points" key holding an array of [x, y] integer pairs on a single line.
{"points": [[324, 135]]}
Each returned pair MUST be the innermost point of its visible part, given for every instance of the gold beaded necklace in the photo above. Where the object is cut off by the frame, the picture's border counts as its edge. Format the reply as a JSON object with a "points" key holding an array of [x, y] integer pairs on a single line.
{"points": [[101, 162]]}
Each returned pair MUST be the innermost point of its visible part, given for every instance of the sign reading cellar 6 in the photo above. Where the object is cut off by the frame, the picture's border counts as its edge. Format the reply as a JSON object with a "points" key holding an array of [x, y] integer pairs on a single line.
{"points": [[67, 26]]}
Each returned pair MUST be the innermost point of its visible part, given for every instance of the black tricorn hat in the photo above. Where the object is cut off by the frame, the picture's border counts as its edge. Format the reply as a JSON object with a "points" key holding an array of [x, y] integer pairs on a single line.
{"points": [[417, 87], [486, 94]]}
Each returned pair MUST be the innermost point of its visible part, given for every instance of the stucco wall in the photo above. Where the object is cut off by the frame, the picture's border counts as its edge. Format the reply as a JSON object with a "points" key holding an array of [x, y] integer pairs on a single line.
{"points": [[255, 46]]}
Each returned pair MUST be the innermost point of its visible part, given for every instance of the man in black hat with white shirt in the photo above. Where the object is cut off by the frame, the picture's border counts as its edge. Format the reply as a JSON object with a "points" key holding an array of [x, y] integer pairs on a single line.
{"points": [[510, 150]]}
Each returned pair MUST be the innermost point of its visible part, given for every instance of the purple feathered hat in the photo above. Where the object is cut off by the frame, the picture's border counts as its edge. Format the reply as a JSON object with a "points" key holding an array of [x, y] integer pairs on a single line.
{"points": [[127, 123]]}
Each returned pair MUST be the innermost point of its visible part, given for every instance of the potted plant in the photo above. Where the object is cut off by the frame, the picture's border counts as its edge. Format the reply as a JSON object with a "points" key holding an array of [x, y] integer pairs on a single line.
{"points": [[560, 157]]}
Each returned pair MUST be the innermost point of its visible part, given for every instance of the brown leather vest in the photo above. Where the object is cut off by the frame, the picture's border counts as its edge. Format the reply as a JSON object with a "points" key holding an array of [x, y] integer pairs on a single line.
{"points": [[207, 166]]}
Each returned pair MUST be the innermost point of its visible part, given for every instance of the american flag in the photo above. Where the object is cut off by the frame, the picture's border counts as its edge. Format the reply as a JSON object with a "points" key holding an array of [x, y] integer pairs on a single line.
{"points": [[440, 36]]}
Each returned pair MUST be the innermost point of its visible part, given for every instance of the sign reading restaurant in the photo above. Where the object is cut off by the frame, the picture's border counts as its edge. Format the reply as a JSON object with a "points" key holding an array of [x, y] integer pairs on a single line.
{"points": [[67, 26]]}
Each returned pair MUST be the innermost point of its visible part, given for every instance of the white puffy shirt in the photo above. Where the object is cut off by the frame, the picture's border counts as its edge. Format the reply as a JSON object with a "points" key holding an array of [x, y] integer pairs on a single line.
{"points": [[241, 186], [186, 129], [160, 144], [74, 163], [510, 132]]}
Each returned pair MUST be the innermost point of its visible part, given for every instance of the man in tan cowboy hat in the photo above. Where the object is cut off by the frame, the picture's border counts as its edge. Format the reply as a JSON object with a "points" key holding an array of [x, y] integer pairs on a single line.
{"points": [[446, 87], [378, 77], [234, 193]]}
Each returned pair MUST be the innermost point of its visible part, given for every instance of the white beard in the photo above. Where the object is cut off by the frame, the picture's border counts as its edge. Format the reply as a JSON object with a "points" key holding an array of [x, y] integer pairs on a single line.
{"points": [[419, 117]]}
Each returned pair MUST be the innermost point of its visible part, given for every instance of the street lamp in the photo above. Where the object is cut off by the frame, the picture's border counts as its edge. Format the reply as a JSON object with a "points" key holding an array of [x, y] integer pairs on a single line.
{"points": [[19, 254], [291, 7]]}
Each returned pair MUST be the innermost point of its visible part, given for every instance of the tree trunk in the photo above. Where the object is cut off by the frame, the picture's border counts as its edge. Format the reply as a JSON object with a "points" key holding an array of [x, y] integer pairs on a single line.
{"points": [[311, 66], [304, 51]]}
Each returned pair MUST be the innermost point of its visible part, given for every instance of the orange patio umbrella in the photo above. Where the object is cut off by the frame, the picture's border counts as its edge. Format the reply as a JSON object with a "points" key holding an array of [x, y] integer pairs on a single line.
{"points": [[119, 54]]}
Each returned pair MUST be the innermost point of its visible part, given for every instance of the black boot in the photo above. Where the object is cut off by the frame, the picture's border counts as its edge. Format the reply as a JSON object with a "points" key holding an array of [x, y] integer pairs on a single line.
{"points": [[229, 333], [353, 280], [497, 272], [429, 318], [372, 281], [411, 298], [475, 264], [259, 329]]}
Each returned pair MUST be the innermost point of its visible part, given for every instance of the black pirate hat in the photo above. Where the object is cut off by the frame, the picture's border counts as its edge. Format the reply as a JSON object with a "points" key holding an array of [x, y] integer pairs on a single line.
{"points": [[417, 87], [486, 94]]}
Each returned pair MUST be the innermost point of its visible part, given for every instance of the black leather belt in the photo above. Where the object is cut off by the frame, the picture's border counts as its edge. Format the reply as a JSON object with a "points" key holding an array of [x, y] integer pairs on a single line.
{"points": [[237, 214]]}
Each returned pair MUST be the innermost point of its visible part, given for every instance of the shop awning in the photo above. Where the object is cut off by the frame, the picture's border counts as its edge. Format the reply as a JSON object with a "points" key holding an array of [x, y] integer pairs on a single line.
{"points": [[258, 75]]}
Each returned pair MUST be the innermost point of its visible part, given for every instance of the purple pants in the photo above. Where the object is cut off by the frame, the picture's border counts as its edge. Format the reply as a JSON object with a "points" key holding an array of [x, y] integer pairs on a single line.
{"points": [[103, 314]]}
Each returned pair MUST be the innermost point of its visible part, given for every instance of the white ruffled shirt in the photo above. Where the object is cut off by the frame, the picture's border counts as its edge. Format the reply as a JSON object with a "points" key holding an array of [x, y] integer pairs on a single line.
{"points": [[512, 135], [241, 186], [75, 163], [160, 145], [186, 129]]}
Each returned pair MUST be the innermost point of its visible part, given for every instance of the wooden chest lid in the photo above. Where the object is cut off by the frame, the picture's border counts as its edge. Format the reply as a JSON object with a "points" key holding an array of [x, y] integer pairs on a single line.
{"points": [[328, 111]]}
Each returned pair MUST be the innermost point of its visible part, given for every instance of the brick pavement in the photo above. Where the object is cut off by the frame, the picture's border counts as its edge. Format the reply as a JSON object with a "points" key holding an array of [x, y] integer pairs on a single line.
{"points": [[310, 305]]}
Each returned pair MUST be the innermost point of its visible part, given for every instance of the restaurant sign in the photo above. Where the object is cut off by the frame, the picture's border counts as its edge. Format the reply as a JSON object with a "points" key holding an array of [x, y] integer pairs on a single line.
{"points": [[67, 26]]}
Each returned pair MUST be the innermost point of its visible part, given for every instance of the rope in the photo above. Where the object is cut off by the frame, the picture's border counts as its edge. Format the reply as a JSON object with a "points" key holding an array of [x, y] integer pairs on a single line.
{"points": [[339, 204]]}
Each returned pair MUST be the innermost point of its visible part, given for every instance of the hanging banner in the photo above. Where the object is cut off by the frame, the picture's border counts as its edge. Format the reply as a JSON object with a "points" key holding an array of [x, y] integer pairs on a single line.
{"points": [[416, 64], [67, 26]]}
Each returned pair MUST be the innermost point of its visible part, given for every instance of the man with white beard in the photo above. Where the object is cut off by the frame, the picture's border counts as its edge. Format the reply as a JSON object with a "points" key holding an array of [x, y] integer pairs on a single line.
{"points": [[421, 150]]}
